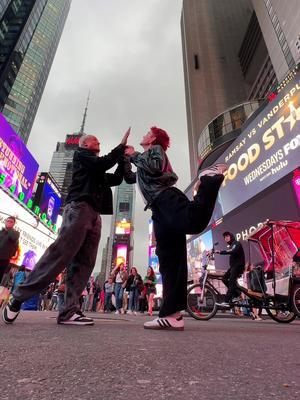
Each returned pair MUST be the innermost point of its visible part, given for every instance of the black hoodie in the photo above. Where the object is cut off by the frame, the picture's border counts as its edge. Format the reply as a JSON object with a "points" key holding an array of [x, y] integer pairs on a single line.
{"points": [[236, 254]]}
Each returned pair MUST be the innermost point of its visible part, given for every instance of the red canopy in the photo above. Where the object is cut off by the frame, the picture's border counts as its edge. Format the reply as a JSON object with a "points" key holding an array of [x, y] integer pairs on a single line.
{"points": [[285, 243]]}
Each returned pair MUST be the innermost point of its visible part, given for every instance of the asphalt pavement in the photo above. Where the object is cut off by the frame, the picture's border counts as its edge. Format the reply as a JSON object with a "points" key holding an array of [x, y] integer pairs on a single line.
{"points": [[224, 358]]}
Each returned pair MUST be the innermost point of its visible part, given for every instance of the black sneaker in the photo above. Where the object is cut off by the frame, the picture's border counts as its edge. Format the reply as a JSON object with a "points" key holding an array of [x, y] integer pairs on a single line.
{"points": [[11, 311], [77, 319]]}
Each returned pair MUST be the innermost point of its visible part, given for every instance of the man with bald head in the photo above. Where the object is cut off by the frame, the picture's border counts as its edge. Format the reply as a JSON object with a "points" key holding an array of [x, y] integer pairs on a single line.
{"points": [[76, 246]]}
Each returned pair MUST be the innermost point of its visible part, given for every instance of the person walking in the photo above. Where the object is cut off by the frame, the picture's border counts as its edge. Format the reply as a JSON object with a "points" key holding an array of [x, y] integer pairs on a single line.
{"points": [[76, 246], [109, 289], [121, 275], [134, 282], [174, 216], [236, 267], [150, 285], [9, 243]]}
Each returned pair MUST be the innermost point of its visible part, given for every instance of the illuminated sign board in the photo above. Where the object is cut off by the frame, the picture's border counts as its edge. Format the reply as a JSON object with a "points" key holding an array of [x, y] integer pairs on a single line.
{"points": [[121, 255], [267, 149], [48, 197], [34, 240], [197, 249], [123, 227], [17, 164], [72, 140]]}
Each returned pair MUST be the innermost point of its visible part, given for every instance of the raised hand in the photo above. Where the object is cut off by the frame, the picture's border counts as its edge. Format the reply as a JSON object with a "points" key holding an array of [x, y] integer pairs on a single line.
{"points": [[125, 137], [129, 150]]}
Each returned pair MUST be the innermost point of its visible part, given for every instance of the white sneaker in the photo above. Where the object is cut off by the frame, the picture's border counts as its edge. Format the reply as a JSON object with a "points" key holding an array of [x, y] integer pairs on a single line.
{"points": [[217, 169], [167, 323], [223, 304], [117, 312], [129, 312]]}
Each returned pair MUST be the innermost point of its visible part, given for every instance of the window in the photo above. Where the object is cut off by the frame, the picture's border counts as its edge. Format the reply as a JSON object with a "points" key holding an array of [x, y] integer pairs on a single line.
{"points": [[124, 207]]}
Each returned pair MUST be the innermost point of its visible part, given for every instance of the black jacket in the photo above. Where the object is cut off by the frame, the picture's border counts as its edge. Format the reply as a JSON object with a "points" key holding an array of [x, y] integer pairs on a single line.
{"points": [[154, 172], [9, 242], [236, 255], [91, 183]]}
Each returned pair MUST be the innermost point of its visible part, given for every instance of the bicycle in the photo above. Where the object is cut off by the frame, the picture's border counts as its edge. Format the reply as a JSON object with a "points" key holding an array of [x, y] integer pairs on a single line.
{"points": [[203, 296]]}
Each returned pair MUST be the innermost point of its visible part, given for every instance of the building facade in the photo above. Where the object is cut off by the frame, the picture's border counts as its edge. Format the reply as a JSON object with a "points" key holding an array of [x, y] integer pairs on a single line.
{"points": [[236, 56], [212, 32], [279, 22], [61, 163], [30, 31], [120, 245]]}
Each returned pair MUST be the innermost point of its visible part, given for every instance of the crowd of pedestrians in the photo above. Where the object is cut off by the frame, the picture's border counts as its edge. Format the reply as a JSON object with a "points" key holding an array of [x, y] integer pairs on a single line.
{"points": [[121, 293]]}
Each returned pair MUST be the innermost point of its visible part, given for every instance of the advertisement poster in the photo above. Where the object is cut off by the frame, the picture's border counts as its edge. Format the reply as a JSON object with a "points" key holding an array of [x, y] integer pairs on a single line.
{"points": [[48, 197], [34, 238], [266, 150], [197, 249], [18, 168]]}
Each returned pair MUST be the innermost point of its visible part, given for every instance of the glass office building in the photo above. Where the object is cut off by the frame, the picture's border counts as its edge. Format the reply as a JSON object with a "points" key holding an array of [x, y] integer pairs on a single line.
{"points": [[30, 31]]}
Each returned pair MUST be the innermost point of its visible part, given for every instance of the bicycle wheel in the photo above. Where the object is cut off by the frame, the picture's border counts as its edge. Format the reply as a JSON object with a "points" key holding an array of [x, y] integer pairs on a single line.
{"points": [[201, 310], [296, 300], [281, 316]]}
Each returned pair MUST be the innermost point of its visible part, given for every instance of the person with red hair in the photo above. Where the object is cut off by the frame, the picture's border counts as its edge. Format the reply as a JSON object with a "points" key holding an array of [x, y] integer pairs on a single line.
{"points": [[174, 216]]}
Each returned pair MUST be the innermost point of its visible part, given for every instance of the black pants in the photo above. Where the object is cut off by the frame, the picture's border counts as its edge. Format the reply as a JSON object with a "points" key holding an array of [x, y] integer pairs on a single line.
{"points": [[230, 280], [4, 267], [174, 216], [75, 248]]}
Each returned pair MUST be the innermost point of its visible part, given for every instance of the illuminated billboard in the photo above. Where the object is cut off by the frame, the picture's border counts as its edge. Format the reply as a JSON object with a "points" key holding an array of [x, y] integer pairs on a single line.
{"points": [[34, 238], [121, 255], [48, 197], [266, 150], [72, 141], [197, 248], [123, 227], [18, 168]]}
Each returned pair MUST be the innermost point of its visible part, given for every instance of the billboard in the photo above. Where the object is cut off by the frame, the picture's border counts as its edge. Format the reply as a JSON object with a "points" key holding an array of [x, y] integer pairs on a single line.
{"points": [[197, 248], [34, 238], [72, 141], [267, 205], [123, 227], [48, 197], [18, 168], [121, 255], [266, 150]]}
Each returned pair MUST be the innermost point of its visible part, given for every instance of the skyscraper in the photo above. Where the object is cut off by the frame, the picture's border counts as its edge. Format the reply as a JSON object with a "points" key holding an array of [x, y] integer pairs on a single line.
{"points": [[236, 55], [30, 31], [120, 245], [279, 22], [61, 163], [212, 33]]}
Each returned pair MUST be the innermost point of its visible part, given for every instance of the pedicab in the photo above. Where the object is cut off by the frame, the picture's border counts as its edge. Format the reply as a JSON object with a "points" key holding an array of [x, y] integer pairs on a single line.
{"points": [[275, 246], [278, 244]]}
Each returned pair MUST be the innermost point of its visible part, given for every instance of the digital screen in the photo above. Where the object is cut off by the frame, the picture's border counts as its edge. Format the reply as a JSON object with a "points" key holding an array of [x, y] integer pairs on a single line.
{"points": [[18, 168], [296, 184], [48, 197], [197, 249], [266, 150], [123, 227], [121, 254], [34, 239], [72, 141]]}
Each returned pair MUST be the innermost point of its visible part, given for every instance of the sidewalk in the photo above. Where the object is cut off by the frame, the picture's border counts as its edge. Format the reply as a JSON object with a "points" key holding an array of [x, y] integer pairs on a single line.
{"points": [[224, 358]]}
